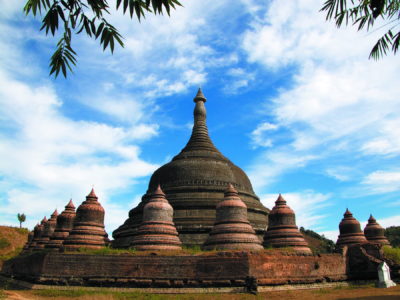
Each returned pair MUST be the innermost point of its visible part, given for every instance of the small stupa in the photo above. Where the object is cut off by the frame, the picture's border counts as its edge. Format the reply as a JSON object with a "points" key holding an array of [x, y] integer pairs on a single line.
{"points": [[375, 233], [65, 222], [350, 231], [38, 235], [88, 229], [232, 229], [282, 230], [157, 230], [29, 241], [48, 230]]}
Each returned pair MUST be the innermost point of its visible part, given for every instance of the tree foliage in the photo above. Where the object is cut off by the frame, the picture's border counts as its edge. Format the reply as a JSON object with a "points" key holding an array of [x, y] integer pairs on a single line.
{"points": [[324, 246], [364, 14], [88, 16], [21, 219], [393, 235]]}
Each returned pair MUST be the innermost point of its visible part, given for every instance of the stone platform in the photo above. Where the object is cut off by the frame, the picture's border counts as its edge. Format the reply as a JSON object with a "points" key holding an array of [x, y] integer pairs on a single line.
{"points": [[219, 269]]}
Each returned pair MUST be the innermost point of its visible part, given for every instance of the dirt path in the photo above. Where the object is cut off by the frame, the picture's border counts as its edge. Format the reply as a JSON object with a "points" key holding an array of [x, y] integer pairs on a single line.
{"points": [[346, 293], [13, 295]]}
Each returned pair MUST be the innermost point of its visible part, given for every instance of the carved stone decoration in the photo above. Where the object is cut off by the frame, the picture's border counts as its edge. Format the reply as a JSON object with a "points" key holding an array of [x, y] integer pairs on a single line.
{"points": [[194, 182], [375, 233], [88, 229], [232, 230], [65, 222], [157, 231], [38, 232], [282, 230], [350, 231], [48, 230]]}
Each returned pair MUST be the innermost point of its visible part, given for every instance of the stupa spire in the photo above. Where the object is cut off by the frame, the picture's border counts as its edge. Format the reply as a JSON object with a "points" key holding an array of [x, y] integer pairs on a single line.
{"points": [[199, 140]]}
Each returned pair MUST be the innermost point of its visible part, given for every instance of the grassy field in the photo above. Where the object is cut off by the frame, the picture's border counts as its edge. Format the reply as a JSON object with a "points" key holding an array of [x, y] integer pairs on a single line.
{"points": [[343, 293], [12, 239]]}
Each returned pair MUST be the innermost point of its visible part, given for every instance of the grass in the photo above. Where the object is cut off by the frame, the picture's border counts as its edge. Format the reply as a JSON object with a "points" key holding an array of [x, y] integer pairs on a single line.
{"points": [[2, 294], [392, 254], [4, 243], [10, 255]]}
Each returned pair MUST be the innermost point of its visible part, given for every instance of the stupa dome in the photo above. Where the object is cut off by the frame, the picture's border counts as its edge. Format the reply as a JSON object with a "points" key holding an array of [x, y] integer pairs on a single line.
{"points": [[232, 230], [194, 182], [157, 231], [282, 230], [375, 233], [350, 231], [65, 222], [88, 227]]}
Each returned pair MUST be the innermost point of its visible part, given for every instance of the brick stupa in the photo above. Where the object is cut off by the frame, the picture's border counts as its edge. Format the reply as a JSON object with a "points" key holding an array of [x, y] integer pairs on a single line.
{"points": [[194, 182], [48, 230], [29, 241], [157, 230], [282, 230], [232, 229], [65, 222], [350, 231], [88, 229], [38, 234], [375, 233]]}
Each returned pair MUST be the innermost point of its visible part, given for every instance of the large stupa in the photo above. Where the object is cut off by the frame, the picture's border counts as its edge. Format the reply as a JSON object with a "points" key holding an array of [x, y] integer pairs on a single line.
{"points": [[194, 182]]}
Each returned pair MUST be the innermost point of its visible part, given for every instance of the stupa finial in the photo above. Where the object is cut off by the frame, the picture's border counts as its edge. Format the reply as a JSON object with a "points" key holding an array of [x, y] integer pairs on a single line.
{"points": [[199, 96]]}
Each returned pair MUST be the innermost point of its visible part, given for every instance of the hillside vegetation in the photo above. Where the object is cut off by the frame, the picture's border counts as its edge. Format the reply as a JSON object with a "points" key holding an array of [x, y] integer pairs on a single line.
{"points": [[12, 239]]}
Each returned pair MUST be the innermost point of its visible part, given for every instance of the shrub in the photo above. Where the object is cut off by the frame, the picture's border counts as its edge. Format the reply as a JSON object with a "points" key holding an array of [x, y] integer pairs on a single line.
{"points": [[4, 243], [392, 254]]}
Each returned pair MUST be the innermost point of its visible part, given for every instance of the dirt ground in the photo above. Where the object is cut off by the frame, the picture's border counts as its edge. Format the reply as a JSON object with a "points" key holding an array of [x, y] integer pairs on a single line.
{"points": [[342, 293]]}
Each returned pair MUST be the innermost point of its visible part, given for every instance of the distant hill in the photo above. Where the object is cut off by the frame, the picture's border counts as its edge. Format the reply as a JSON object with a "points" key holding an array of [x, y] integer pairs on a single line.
{"points": [[318, 243], [12, 239]]}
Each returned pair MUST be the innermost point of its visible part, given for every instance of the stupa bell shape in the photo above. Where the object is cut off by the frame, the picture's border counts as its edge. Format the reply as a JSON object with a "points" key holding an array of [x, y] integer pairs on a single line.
{"points": [[232, 230], [375, 233], [350, 231], [38, 235], [65, 222], [157, 231], [88, 229], [194, 182], [282, 230], [48, 230]]}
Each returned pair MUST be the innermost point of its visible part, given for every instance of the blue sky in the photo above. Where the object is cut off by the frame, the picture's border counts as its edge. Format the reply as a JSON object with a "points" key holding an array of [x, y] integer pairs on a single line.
{"points": [[292, 100]]}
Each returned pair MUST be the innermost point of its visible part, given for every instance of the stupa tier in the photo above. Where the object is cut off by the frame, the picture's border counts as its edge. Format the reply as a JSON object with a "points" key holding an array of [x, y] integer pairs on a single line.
{"points": [[157, 231], [282, 231], [88, 229], [64, 226], [375, 233], [350, 231], [194, 182], [232, 230]]}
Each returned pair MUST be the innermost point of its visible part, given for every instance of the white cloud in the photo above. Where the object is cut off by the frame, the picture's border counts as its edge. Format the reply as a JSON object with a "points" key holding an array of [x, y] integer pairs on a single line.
{"points": [[382, 181], [49, 156], [267, 168], [340, 173], [259, 135], [339, 102], [305, 204]]}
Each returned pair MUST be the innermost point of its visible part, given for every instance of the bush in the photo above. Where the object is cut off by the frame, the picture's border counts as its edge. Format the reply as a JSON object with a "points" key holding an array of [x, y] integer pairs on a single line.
{"points": [[392, 254], [4, 243]]}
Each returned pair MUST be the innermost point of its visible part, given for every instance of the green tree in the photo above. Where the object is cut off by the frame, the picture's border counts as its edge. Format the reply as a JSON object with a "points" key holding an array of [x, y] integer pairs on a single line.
{"points": [[77, 16], [364, 14], [21, 219], [393, 235]]}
